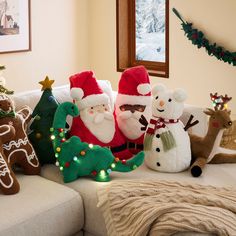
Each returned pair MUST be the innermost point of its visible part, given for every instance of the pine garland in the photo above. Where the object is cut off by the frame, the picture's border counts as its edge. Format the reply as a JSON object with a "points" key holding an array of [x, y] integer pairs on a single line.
{"points": [[198, 38]]}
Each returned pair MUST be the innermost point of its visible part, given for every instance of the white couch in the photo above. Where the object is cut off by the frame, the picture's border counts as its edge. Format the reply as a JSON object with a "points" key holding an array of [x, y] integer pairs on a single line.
{"points": [[46, 206]]}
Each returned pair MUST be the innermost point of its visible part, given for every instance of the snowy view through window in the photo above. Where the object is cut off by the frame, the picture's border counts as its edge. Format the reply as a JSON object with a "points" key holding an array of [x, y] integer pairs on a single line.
{"points": [[150, 30]]}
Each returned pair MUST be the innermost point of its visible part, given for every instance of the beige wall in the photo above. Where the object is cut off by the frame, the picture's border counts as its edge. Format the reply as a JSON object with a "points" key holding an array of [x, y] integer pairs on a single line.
{"points": [[59, 45], [190, 68], [70, 36]]}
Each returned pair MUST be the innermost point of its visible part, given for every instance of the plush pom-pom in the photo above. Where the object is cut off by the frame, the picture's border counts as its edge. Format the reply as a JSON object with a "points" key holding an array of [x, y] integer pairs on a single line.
{"points": [[158, 88], [180, 95], [144, 89], [76, 93]]}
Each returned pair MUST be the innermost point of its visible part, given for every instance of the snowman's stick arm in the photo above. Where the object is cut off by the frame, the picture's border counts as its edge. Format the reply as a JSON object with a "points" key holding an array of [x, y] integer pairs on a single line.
{"points": [[189, 124], [143, 121]]}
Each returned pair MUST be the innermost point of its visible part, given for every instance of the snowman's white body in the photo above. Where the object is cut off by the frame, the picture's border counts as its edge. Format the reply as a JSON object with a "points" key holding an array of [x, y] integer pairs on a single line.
{"points": [[177, 158], [174, 160]]}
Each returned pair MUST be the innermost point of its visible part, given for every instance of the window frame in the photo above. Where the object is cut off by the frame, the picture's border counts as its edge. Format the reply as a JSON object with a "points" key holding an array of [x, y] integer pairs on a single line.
{"points": [[126, 40]]}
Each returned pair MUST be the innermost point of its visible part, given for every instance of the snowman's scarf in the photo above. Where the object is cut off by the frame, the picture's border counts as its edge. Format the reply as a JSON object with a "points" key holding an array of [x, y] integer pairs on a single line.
{"points": [[167, 137]]}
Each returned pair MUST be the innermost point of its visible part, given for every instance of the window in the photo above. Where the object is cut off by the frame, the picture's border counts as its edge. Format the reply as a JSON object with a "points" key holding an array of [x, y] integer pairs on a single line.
{"points": [[143, 35]]}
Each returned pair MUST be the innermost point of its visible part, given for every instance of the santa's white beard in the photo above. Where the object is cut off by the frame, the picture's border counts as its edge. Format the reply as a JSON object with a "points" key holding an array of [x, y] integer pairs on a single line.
{"points": [[129, 124], [101, 125]]}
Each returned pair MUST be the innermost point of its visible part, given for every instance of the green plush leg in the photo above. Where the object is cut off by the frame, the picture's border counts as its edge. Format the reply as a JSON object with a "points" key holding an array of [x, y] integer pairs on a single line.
{"points": [[102, 176], [69, 176], [197, 166], [130, 164]]}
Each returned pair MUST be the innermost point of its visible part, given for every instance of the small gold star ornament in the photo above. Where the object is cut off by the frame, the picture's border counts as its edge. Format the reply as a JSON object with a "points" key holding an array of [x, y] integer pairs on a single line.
{"points": [[46, 83]]}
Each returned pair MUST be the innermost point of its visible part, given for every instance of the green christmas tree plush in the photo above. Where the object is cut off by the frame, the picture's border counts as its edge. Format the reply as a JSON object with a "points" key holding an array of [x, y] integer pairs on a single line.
{"points": [[43, 116]]}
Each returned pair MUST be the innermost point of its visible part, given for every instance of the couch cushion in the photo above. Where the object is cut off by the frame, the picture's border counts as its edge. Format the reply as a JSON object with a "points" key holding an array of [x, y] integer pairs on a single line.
{"points": [[42, 207], [62, 94], [217, 175], [31, 98]]}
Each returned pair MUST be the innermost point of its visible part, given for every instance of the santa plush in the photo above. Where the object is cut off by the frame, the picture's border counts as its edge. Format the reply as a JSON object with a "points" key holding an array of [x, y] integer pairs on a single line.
{"points": [[133, 105], [96, 123]]}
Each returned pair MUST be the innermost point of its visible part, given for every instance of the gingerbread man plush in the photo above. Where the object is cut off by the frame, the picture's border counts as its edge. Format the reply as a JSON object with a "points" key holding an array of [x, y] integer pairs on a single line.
{"points": [[18, 150], [8, 181]]}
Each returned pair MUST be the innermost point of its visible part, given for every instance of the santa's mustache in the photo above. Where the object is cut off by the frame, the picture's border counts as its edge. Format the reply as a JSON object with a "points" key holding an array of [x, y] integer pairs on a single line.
{"points": [[98, 118], [125, 115]]}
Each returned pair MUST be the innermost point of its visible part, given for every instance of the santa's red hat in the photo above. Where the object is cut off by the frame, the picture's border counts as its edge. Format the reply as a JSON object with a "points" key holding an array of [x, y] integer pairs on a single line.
{"points": [[134, 87], [85, 90]]}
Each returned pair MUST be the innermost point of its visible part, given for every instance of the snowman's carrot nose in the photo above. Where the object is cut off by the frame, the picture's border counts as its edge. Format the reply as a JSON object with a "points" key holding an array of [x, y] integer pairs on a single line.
{"points": [[161, 103]]}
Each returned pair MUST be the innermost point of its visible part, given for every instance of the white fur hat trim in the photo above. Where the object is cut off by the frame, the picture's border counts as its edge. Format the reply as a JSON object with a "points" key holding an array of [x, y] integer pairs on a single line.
{"points": [[122, 99], [144, 88], [93, 100], [76, 93]]}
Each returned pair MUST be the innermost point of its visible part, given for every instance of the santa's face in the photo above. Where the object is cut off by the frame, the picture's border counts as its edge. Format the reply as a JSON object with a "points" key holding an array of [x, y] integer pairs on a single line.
{"points": [[100, 122], [128, 119]]}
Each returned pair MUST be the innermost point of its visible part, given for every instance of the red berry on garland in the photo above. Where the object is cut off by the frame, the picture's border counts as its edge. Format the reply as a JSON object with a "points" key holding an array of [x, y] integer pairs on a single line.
{"points": [[195, 36], [222, 54], [67, 164], [60, 129], [94, 173]]}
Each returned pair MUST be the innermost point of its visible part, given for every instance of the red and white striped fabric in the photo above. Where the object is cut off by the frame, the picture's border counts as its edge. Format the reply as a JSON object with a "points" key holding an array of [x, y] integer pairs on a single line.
{"points": [[157, 123]]}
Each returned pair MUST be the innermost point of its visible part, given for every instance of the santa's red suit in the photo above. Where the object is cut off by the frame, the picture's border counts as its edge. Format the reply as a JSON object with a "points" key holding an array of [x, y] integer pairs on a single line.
{"points": [[133, 100], [96, 123]]}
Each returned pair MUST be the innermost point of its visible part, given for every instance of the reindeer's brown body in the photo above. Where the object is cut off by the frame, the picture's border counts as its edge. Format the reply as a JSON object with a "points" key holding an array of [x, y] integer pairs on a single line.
{"points": [[207, 149]]}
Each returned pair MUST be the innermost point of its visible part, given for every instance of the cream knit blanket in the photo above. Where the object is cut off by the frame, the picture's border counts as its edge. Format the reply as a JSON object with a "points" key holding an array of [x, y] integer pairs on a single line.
{"points": [[150, 207]]}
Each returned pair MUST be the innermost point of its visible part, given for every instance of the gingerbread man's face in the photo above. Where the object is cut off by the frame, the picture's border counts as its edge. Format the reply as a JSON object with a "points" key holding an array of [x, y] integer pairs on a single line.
{"points": [[6, 105]]}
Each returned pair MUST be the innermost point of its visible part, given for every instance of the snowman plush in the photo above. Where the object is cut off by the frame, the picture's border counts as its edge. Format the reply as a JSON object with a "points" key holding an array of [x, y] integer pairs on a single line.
{"points": [[166, 143]]}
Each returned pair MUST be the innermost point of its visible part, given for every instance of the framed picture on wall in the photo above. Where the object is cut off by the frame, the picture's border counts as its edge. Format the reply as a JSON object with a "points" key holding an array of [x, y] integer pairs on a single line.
{"points": [[14, 26]]}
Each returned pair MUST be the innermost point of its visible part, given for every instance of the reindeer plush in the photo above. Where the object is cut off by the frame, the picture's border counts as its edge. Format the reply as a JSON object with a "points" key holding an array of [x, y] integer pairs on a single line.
{"points": [[207, 149]]}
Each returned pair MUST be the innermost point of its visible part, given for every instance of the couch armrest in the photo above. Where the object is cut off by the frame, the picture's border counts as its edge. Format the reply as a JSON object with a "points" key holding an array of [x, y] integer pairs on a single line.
{"points": [[201, 128]]}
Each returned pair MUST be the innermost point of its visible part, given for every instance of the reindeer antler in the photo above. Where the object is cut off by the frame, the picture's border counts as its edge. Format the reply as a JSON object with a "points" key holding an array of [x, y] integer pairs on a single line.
{"points": [[217, 100], [225, 100], [220, 101]]}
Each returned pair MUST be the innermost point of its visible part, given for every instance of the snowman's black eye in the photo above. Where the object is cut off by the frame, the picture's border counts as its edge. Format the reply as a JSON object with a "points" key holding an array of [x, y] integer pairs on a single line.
{"points": [[169, 100], [156, 97]]}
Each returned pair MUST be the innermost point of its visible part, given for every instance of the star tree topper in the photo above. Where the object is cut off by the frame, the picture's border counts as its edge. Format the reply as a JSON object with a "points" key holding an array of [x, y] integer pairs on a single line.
{"points": [[46, 83]]}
